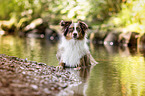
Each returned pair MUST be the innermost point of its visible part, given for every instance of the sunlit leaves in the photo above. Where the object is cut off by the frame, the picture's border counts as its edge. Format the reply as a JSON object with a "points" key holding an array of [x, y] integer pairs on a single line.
{"points": [[131, 17], [55, 10]]}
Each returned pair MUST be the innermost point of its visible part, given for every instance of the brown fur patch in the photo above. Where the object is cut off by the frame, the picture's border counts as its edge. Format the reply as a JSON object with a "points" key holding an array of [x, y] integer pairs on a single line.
{"points": [[61, 64], [69, 36], [85, 61], [81, 36]]}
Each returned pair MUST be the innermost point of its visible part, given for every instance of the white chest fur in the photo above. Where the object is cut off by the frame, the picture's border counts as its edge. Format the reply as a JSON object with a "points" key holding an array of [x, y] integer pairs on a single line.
{"points": [[72, 51]]}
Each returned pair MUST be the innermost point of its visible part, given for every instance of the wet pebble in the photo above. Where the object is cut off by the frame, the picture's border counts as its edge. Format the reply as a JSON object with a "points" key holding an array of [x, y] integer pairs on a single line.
{"points": [[63, 85], [52, 88], [27, 64], [41, 64], [34, 62], [58, 74], [47, 91], [37, 67], [23, 72], [21, 68], [22, 60], [31, 69], [35, 87], [2, 63], [17, 59]]}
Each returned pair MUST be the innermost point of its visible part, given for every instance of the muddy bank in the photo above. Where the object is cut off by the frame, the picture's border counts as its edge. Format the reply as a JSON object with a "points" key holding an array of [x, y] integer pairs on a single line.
{"points": [[20, 77]]}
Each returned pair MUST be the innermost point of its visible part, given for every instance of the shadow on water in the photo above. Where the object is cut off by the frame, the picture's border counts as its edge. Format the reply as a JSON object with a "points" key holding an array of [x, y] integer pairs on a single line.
{"points": [[120, 71]]}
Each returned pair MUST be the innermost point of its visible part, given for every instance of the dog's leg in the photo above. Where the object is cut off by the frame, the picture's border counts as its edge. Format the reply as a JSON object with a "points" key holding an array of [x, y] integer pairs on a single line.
{"points": [[92, 60], [87, 60], [82, 63], [61, 65]]}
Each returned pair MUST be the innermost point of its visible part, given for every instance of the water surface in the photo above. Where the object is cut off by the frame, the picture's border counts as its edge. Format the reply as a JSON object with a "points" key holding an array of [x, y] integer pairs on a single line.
{"points": [[40, 50], [120, 72]]}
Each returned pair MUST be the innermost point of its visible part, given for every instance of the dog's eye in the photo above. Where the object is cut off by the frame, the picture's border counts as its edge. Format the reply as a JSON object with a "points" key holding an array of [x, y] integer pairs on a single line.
{"points": [[78, 29], [70, 29]]}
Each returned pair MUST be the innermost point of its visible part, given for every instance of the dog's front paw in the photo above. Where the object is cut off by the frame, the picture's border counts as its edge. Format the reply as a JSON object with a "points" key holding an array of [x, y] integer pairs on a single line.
{"points": [[59, 68]]}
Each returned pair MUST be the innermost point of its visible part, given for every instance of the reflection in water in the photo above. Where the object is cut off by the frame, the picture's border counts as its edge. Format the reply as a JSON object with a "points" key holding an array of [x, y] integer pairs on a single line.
{"points": [[78, 89], [120, 72]]}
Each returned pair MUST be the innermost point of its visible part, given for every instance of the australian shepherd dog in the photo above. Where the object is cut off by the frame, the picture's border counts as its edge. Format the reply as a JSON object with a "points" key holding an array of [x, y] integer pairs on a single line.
{"points": [[73, 50]]}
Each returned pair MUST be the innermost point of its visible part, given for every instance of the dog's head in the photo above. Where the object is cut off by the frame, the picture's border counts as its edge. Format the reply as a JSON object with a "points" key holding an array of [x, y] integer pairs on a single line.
{"points": [[74, 30]]}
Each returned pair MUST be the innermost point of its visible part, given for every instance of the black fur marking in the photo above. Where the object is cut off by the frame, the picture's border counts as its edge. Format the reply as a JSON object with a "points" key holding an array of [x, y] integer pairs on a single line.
{"points": [[83, 26], [66, 31], [65, 26]]}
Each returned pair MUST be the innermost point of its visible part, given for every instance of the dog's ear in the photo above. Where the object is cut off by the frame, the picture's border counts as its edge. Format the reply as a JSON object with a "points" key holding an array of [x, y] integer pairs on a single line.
{"points": [[65, 26], [65, 23], [83, 25]]}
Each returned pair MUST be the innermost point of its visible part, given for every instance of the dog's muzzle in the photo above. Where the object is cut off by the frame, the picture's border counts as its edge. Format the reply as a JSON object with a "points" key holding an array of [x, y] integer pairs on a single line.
{"points": [[75, 35]]}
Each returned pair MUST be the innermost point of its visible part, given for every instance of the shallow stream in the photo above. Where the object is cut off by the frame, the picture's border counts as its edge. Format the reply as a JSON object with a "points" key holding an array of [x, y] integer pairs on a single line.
{"points": [[120, 72]]}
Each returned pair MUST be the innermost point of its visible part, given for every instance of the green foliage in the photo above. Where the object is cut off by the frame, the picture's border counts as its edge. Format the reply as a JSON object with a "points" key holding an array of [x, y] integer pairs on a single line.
{"points": [[55, 10], [131, 17], [129, 14], [6, 7], [102, 9]]}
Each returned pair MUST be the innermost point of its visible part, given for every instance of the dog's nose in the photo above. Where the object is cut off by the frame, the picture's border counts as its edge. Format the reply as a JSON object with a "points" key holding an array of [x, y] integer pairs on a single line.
{"points": [[75, 34]]}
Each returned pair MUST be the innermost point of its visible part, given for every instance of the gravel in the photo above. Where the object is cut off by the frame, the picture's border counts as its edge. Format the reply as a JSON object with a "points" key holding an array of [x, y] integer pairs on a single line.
{"points": [[20, 77]]}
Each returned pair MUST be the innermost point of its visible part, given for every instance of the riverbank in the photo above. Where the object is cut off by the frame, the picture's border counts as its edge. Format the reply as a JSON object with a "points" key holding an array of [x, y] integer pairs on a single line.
{"points": [[20, 77]]}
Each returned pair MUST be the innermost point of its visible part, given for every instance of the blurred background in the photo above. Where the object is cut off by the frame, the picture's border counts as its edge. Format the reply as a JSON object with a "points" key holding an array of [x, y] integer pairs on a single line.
{"points": [[15, 15], [22, 16]]}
